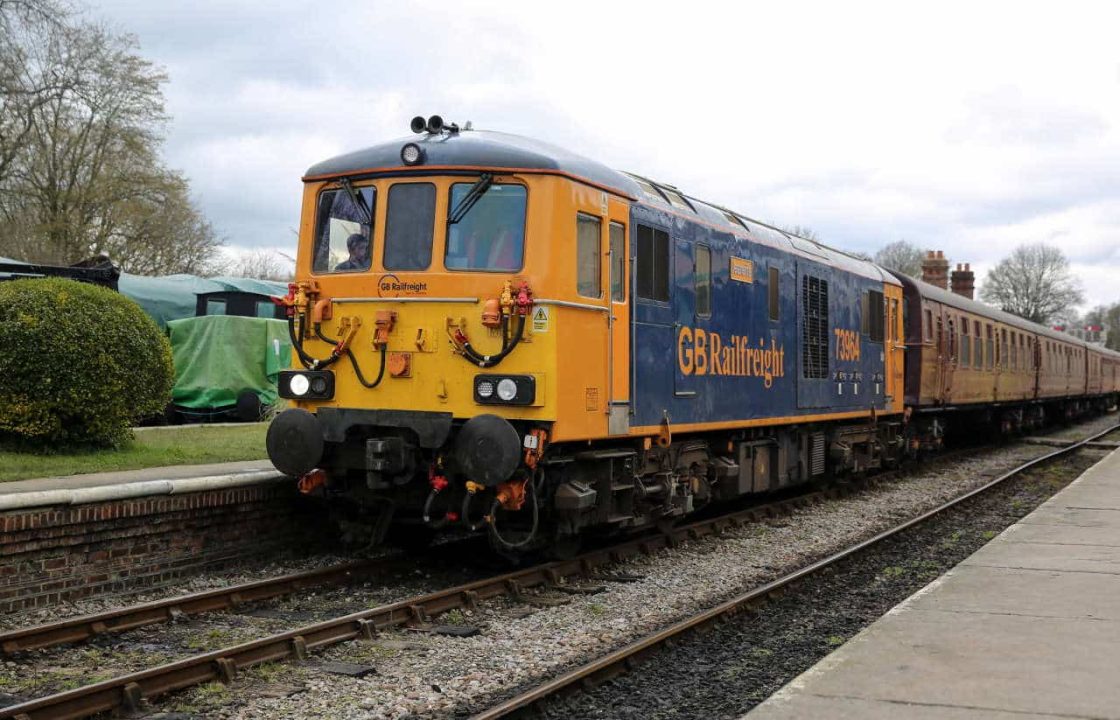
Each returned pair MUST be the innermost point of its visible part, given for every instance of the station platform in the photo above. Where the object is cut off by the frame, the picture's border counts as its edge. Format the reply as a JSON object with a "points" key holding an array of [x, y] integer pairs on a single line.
{"points": [[123, 477], [1026, 628]]}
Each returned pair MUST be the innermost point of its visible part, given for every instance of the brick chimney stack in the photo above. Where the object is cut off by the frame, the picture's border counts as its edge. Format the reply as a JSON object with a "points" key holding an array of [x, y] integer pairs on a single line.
{"points": [[963, 281], [935, 269]]}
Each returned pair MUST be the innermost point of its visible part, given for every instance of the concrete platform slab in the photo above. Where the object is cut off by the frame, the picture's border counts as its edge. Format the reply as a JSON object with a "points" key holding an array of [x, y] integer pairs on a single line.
{"points": [[1048, 556], [1027, 593], [116, 477], [1027, 627], [1061, 535]]}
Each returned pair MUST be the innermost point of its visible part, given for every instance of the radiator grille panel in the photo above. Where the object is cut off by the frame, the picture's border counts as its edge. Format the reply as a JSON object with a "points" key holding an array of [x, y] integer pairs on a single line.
{"points": [[814, 327]]}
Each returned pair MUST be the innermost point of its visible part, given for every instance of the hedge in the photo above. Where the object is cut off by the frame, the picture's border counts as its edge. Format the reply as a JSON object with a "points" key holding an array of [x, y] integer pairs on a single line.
{"points": [[78, 365]]}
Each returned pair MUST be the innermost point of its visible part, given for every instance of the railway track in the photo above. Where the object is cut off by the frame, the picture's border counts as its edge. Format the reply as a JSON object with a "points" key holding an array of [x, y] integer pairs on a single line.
{"points": [[625, 659], [130, 691]]}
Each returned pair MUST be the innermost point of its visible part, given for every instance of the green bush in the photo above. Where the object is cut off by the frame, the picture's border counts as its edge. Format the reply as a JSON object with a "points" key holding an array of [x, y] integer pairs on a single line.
{"points": [[78, 364]]}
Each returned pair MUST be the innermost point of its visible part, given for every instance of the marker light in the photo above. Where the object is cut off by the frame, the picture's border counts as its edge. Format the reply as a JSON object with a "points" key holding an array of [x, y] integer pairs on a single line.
{"points": [[412, 154], [299, 384], [507, 389], [485, 389]]}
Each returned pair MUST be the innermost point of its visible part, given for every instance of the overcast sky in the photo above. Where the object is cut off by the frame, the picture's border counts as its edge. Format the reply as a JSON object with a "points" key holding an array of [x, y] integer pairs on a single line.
{"points": [[969, 127]]}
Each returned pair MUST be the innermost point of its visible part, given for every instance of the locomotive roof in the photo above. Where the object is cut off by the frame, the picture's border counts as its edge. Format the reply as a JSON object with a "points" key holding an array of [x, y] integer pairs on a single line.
{"points": [[477, 149], [976, 307]]}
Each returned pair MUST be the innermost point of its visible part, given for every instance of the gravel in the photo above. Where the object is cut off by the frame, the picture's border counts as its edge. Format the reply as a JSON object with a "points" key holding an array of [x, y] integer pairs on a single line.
{"points": [[743, 660], [419, 674]]}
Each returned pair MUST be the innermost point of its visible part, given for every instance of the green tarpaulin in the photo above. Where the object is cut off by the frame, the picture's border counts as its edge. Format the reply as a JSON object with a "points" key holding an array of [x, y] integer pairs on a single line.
{"points": [[171, 297], [219, 356]]}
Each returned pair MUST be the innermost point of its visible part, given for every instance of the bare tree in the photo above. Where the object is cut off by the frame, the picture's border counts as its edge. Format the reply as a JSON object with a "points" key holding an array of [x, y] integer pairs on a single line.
{"points": [[1034, 283], [26, 82], [801, 231], [262, 264], [86, 177], [901, 256], [1108, 317]]}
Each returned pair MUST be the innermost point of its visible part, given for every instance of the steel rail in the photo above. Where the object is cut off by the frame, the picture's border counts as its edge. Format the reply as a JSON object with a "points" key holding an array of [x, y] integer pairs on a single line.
{"points": [[128, 692], [85, 627], [621, 660]]}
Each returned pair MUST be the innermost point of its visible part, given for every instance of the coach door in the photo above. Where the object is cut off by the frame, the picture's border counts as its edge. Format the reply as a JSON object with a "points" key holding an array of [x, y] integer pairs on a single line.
{"points": [[895, 349], [618, 422]]}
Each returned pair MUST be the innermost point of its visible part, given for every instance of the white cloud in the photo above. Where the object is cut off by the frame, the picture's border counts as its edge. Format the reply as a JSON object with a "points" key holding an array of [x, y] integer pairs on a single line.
{"points": [[969, 127]]}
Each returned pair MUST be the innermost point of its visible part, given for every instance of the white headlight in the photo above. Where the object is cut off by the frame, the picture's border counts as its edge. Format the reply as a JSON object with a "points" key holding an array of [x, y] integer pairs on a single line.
{"points": [[299, 384], [411, 154], [507, 389], [485, 389]]}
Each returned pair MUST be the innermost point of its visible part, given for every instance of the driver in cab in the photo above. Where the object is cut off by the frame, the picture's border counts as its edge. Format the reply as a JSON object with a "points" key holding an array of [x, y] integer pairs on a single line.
{"points": [[358, 247]]}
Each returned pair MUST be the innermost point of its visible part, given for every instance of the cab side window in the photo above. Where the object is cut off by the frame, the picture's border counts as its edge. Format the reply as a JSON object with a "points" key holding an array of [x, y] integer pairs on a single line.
{"points": [[653, 264], [589, 253], [618, 262]]}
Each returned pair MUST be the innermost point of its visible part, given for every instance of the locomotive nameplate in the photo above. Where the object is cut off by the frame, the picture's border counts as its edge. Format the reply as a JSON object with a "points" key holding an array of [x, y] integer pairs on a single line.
{"points": [[742, 270]]}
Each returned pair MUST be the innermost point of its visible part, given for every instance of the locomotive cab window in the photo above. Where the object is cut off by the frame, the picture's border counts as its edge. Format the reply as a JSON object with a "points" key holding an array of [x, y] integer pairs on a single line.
{"points": [[618, 262], [342, 230], [409, 225], [653, 264], [589, 276], [702, 277], [490, 233], [873, 323]]}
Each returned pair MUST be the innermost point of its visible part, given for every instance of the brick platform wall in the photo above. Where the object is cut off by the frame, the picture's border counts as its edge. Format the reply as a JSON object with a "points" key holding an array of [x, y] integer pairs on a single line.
{"points": [[49, 555]]}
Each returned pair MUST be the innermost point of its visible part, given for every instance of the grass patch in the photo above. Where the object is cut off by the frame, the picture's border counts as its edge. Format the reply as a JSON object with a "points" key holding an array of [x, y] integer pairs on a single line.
{"points": [[188, 445]]}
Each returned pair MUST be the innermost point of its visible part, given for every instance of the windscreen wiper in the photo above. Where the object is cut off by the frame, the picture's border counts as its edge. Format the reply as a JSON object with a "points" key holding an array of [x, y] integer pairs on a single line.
{"points": [[473, 196], [357, 199]]}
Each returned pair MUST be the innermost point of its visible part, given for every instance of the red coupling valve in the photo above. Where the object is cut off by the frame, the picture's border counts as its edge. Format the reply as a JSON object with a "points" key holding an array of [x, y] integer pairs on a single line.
{"points": [[524, 298]]}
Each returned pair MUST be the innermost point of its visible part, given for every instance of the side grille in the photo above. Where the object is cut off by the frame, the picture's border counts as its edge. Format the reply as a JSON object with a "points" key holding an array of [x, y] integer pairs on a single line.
{"points": [[816, 453], [814, 327]]}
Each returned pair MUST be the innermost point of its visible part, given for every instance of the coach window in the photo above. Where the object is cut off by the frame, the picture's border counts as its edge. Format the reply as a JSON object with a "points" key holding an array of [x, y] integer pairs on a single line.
{"points": [[977, 346], [618, 261], [409, 224], [927, 325], [772, 291], [589, 250], [342, 230], [653, 264], [486, 232], [1003, 348], [966, 344], [989, 348], [702, 278]]}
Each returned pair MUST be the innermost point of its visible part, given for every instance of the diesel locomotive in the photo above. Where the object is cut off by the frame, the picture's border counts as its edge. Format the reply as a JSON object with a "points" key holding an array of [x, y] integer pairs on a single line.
{"points": [[496, 334]]}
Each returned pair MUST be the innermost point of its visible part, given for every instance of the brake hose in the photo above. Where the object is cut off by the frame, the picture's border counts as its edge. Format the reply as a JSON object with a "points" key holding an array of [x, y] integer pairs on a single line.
{"points": [[496, 536], [354, 361], [308, 362], [489, 361]]}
